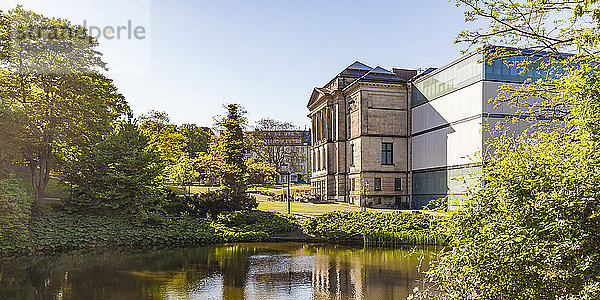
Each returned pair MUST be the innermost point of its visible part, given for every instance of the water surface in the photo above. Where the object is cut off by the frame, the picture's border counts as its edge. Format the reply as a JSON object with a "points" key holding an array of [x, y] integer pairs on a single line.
{"points": [[232, 271]]}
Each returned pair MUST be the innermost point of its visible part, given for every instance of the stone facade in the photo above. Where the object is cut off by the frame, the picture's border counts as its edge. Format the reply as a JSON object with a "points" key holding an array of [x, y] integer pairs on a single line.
{"points": [[360, 129]]}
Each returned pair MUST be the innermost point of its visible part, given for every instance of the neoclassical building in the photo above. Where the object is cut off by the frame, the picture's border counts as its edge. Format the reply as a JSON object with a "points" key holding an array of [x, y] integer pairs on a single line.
{"points": [[412, 136], [360, 131]]}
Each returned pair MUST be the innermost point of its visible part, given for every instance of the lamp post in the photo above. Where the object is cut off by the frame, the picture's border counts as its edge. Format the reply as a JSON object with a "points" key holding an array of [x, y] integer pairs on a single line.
{"points": [[284, 167]]}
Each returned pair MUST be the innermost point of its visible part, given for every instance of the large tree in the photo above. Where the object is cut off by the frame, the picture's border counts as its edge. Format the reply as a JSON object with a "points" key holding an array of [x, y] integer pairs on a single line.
{"points": [[532, 231], [227, 155], [51, 78], [120, 174]]}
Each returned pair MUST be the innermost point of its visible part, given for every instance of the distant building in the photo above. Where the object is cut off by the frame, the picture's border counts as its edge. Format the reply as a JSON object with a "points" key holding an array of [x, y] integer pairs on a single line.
{"points": [[412, 137], [286, 147]]}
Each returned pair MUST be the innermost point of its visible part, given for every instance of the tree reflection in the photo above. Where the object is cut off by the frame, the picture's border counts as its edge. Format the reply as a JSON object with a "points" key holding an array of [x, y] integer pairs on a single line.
{"points": [[236, 271]]}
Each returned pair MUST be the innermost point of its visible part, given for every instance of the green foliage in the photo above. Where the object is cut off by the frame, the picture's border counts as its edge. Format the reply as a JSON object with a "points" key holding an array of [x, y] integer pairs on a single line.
{"points": [[260, 171], [215, 202], [61, 232], [257, 220], [197, 140], [377, 228], [15, 210], [533, 230], [121, 174], [65, 232], [61, 99], [232, 150], [184, 171], [164, 135]]}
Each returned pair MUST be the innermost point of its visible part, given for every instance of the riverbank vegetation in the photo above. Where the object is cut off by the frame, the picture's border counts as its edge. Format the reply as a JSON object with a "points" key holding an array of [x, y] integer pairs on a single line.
{"points": [[381, 229], [61, 232]]}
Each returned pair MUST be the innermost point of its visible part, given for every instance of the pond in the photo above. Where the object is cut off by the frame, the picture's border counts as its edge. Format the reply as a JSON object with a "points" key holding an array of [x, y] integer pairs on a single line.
{"points": [[231, 271]]}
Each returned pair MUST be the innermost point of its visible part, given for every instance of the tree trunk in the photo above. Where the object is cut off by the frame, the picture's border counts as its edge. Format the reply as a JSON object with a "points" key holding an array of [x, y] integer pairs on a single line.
{"points": [[40, 174]]}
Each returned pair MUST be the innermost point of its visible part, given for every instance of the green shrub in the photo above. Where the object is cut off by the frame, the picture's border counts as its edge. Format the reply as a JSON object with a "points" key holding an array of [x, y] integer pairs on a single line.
{"points": [[377, 228], [15, 213], [60, 232], [256, 220], [215, 202]]}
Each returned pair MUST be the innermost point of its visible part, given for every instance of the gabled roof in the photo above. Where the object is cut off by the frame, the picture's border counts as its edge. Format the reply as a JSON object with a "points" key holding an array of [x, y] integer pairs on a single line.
{"points": [[358, 65], [316, 93], [356, 69], [380, 74]]}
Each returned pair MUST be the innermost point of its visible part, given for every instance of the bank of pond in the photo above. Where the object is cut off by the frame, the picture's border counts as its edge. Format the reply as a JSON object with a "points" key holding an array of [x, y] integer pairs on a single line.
{"points": [[58, 232]]}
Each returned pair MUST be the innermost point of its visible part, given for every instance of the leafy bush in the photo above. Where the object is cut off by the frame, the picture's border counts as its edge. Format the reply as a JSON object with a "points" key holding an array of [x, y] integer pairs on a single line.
{"points": [[256, 220], [377, 228], [61, 232], [15, 211], [215, 202]]}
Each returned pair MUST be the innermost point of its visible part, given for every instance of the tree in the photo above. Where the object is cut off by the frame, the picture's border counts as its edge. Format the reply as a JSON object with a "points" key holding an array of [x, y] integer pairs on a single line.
{"points": [[532, 231], [121, 174], [230, 149], [51, 78], [272, 142], [260, 171], [170, 142], [184, 171], [209, 166], [196, 139]]}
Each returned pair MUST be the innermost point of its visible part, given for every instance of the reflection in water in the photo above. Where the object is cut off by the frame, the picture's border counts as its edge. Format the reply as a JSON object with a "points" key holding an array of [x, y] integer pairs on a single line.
{"points": [[233, 271]]}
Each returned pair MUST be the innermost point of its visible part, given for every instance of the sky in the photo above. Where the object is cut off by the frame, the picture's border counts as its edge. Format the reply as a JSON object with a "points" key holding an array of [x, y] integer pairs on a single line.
{"points": [[192, 57]]}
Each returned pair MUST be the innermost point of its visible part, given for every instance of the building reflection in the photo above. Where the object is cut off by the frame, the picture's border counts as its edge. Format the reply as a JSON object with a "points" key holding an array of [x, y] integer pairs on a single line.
{"points": [[238, 271], [365, 273]]}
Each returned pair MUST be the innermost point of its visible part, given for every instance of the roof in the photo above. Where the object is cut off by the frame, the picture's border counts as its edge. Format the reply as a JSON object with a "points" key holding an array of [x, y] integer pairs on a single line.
{"points": [[380, 74], [356, 69]]}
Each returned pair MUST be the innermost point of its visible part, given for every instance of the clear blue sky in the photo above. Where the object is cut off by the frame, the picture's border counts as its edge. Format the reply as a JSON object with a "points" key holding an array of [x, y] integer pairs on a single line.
{"points": [[265, 55]]}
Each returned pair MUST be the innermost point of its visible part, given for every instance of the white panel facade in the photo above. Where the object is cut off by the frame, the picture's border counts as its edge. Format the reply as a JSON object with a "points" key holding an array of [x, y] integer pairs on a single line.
{"points": [[455, 145], [458, 105], [490, 91]]}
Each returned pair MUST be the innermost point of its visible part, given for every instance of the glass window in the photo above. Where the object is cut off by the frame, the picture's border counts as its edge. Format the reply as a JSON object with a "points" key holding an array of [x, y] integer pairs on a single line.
{"points": [[387, 153], [352, 154], [456, 76], [378, 184], [398, 184]]}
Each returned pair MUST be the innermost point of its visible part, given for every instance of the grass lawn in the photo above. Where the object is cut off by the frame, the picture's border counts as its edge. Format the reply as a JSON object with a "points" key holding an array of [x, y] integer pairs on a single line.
{"points": [[301, 207], [264, 202]]}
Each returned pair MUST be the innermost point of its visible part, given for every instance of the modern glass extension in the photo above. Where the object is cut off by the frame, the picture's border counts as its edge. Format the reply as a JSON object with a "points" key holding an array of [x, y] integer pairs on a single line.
{"points": [[470, 69]]}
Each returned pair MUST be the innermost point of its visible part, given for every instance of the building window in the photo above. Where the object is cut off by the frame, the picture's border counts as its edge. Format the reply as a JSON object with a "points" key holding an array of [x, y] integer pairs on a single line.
{"points": [[387, 153], [352, 154], [398, 184], [378, 184]]}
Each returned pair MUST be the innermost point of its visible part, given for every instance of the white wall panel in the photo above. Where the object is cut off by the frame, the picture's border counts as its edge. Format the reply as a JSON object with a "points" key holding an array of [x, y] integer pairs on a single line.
{"points": [[450, 146], [461, 104], [490, 91]]}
